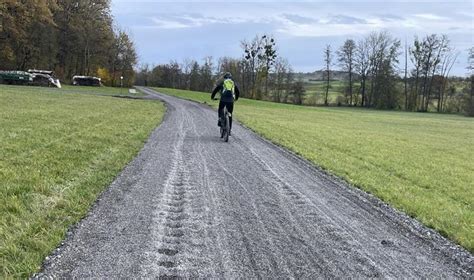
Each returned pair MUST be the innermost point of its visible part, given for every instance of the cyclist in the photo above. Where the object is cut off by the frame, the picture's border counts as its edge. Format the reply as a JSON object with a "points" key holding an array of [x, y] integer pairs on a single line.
{"points": [[229, 93]]}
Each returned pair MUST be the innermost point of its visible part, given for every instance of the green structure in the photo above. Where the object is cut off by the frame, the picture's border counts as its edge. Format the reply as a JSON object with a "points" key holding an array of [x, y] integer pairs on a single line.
{"points": [[15, 77]]}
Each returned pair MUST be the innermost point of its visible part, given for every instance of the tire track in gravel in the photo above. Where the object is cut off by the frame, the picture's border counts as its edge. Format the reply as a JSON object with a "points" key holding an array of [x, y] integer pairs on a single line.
{"points": [[192, 206]]}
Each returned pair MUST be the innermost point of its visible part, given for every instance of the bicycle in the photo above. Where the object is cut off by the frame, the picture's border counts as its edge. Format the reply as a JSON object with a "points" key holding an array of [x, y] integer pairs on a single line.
{"points": [[225, 125]]}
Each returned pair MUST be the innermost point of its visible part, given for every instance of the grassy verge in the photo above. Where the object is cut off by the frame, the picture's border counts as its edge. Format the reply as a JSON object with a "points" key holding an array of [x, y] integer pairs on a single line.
{"points": [[420, 163], [74, 90], [57, 153], [99, 90]]}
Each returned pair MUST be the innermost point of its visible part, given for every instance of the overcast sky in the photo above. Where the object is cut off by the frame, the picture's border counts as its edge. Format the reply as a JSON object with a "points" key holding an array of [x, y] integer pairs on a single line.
{"points": [[175, 30]]}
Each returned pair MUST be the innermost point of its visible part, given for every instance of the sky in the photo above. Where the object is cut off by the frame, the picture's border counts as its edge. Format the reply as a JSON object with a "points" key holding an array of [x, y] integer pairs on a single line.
{"points": [[179, 30]]}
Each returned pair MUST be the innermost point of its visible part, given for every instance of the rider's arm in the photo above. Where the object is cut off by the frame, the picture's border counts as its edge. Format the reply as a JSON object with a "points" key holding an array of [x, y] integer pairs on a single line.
{"points": [[217, 89], [237, 93]]}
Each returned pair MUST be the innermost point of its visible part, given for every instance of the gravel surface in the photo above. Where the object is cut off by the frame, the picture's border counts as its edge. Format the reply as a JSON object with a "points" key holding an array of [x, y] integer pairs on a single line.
{"points": [[190, 205]]}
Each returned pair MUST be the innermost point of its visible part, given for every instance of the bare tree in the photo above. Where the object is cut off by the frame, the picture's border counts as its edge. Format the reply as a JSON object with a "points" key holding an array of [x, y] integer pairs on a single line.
{"points": [[346, 56], [382, 55], [405, 79], [268, 56], [206, 74], [281, 71], [362, 66], [194, 76], [416, 57], [328, 62], [289, 77], [448, 61], [187, 66], [469, 104], [440, 48], [252, 55]]}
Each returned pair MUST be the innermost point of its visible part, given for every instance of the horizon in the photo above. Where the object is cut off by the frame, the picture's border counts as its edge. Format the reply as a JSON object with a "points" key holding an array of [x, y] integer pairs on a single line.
{"points": [[174, 31]]}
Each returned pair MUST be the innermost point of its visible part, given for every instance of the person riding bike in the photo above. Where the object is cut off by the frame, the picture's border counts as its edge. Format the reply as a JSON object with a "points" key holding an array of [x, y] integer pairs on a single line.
{"points": [[229, 92]]}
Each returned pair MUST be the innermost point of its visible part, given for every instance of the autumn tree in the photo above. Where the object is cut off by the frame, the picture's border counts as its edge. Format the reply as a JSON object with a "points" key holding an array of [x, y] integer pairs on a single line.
{"points": [[69, 36]]}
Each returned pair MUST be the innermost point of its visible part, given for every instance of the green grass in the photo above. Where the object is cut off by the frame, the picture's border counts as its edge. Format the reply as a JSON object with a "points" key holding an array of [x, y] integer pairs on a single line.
{"points": [[80, 90], [58, 152], [420, 163]]}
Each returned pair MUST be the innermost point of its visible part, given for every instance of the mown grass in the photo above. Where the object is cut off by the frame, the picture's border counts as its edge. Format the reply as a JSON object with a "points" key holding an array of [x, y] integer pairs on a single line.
{"points": [[99, 90], [58, 152], [420, 163], [109, 91]]}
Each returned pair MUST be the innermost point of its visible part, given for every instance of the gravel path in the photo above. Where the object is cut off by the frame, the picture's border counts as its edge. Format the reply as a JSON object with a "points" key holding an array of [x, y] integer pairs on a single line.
{"points": [[190, 205]]}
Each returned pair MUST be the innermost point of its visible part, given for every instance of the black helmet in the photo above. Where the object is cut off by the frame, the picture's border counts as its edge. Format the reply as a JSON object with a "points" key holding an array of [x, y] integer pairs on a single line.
{"points": [[227, 75]]}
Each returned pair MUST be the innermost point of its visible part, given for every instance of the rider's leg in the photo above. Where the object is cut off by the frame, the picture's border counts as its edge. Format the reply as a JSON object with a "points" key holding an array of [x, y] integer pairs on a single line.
{"points": [[220, 112], [230, 109]]}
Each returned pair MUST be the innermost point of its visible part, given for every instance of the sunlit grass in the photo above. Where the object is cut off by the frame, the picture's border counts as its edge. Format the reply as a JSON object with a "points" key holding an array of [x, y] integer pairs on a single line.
{"points": [[420, 163]]}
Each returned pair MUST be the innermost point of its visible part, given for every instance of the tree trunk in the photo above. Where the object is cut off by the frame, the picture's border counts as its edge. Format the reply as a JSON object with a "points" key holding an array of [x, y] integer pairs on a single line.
{"points": [[350, 84], [363, 91], [327, 89], [406, 70], [471, 99]]}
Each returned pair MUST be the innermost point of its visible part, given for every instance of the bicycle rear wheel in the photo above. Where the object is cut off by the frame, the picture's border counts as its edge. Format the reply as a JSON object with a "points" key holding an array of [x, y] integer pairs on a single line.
{"points": [[227, 127]]}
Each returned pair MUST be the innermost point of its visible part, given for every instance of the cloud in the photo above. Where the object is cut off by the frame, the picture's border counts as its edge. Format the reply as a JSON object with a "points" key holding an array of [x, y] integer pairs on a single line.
{"points": [[166, 21], [430, 17], [168, 24], [323, 30], [335, 25], [299, 19], [343, 19], [297, 25], [389, 17]]}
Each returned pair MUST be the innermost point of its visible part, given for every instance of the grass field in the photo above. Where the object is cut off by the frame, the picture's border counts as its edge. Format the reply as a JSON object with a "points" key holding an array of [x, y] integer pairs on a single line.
{"points": [[420, 163], [78, 90], [58, 152]]}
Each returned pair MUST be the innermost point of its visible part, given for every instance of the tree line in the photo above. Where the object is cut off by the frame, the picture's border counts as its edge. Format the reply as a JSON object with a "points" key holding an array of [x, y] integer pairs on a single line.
{"points": [[70, 37], [373, 63], [260, 73], [374, 77]]}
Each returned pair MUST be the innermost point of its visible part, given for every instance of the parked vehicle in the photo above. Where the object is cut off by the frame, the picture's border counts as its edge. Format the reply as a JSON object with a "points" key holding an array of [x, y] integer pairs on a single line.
{"points": [[15, 77], [44, 78], [86, 81], [32, 77]]}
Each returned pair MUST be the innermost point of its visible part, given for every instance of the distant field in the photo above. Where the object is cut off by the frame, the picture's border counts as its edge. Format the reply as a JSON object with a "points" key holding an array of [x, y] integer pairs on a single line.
{"points": [[316, 90], [58, 152], [420, 163]]}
